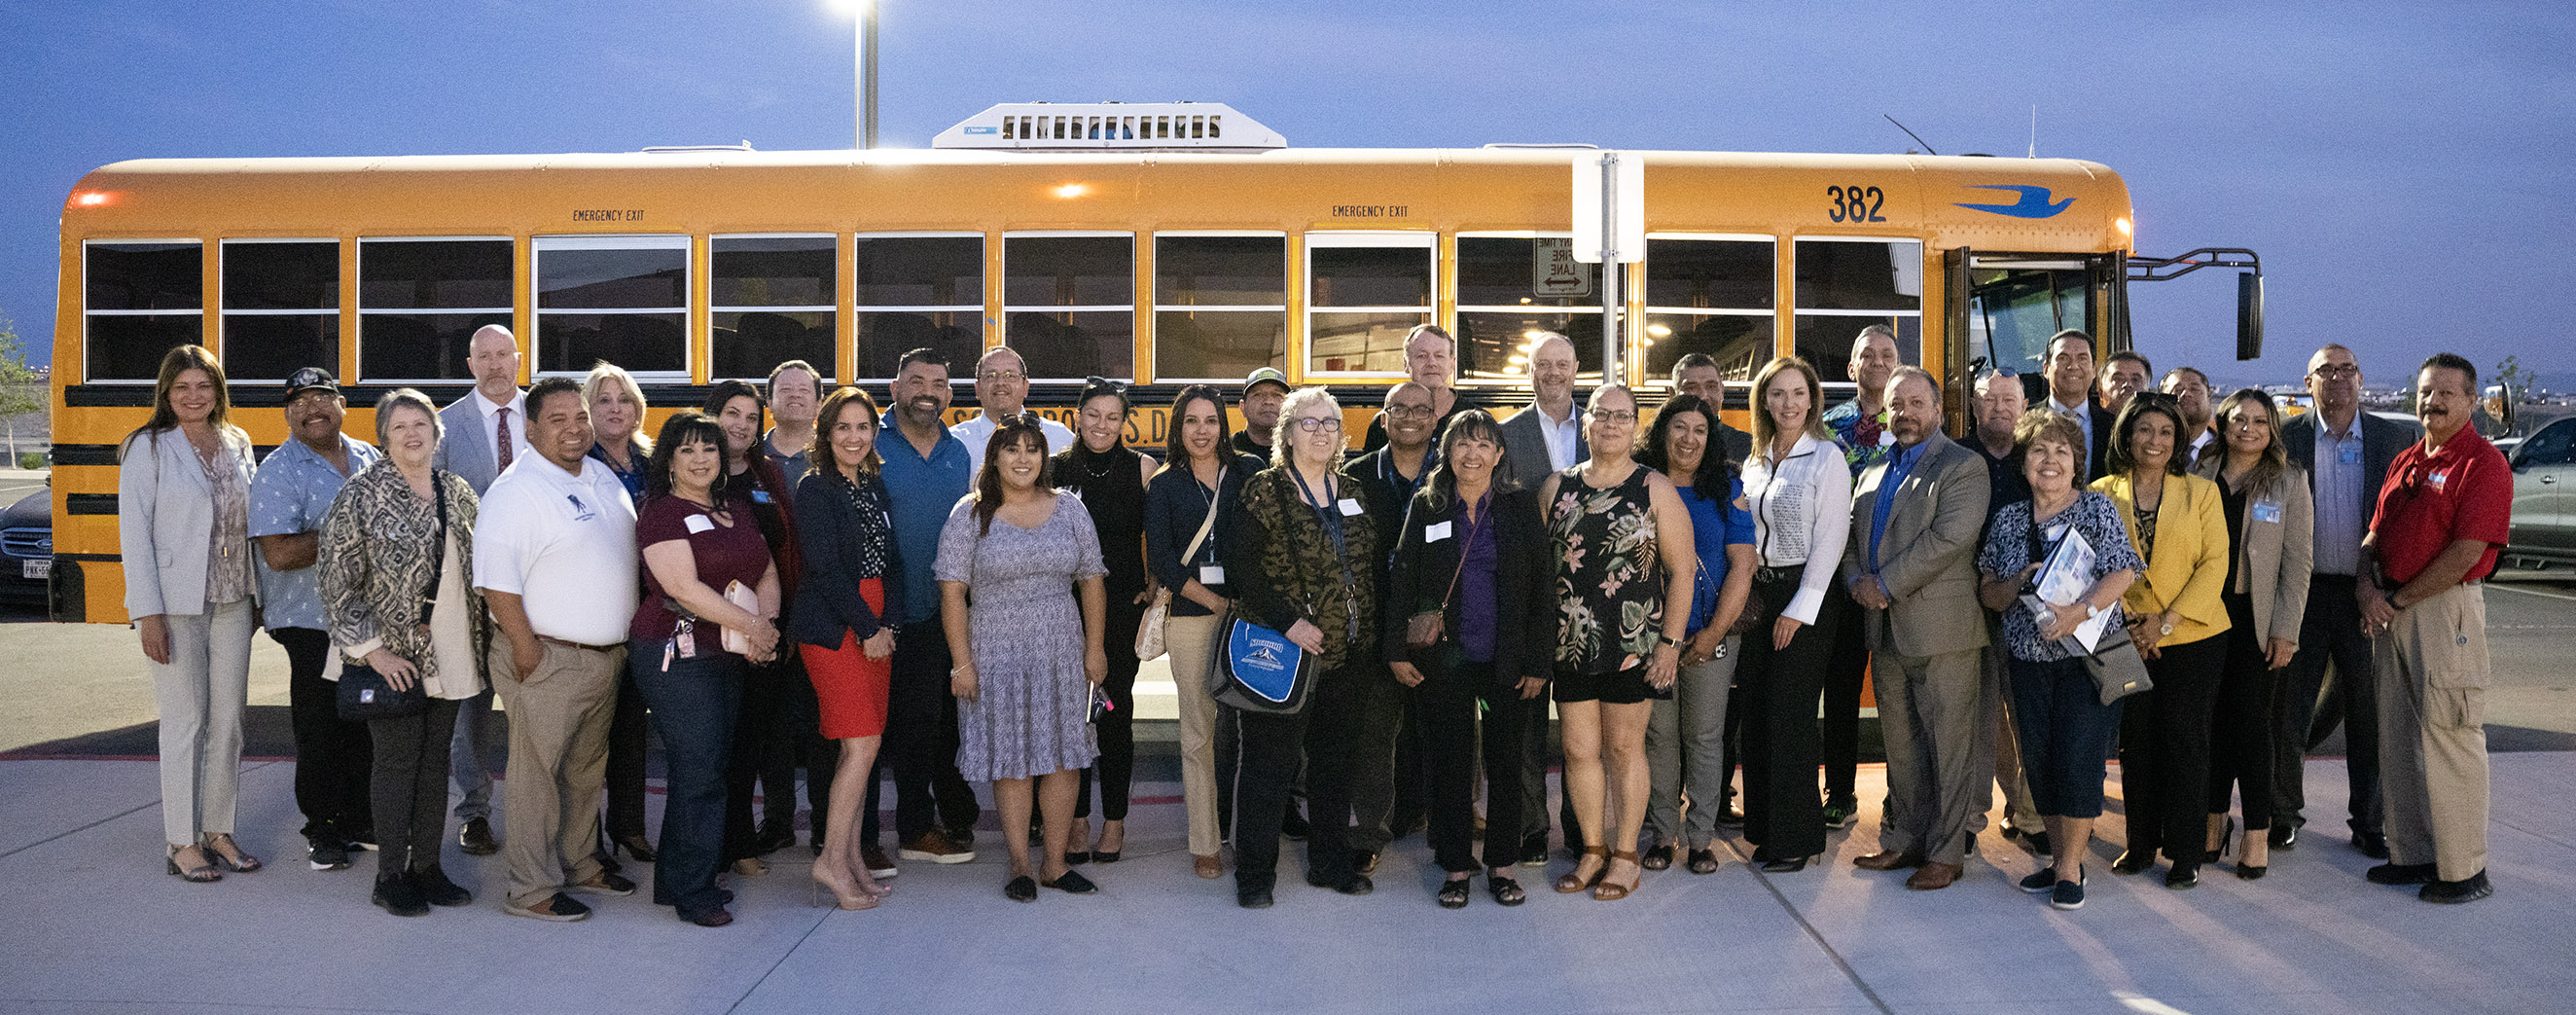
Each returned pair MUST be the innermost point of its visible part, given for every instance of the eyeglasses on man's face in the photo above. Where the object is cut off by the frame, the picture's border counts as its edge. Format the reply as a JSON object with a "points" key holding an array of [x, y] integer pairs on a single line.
{"points": [[1409, 411]]}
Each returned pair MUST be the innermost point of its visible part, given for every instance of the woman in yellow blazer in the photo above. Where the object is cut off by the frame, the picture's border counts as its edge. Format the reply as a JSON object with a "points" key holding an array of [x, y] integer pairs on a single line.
{"points": [[2178, 527], [2271, 519]]}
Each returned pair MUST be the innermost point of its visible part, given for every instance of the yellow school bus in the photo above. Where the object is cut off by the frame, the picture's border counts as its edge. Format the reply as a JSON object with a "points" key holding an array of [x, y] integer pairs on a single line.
{"points": [[1157, 259]]}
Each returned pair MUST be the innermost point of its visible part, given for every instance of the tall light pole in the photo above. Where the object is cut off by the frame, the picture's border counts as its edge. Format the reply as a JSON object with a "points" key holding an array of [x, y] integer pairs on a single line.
{"points": [[867, 71]]}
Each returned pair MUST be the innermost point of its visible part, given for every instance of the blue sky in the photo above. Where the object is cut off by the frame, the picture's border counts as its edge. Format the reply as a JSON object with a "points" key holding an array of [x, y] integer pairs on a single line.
{"points": [[2399, 166]]}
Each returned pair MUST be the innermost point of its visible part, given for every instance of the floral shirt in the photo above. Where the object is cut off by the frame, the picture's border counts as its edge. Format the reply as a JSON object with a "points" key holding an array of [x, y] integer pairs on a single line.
{"points": [[2007, 551], [1609, 573], [1864, 437]]}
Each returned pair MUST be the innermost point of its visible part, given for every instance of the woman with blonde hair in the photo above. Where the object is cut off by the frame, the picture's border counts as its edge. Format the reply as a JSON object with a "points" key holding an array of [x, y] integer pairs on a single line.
{"points": [[1800, 494], [183, 529], [617, 422]]}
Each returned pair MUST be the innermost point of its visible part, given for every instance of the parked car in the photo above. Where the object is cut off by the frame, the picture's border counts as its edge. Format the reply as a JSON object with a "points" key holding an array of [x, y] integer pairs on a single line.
{"points": [[27, 548], [2544, 495]]}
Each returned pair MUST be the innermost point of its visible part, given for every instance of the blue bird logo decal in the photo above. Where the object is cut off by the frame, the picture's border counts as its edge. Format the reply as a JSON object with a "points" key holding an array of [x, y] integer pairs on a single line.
{"points": [[2034, 203]]}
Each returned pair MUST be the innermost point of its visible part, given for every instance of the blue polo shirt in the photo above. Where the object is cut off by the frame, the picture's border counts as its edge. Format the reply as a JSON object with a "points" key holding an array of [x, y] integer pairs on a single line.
{"points": [[290, 493], [925, 490]]}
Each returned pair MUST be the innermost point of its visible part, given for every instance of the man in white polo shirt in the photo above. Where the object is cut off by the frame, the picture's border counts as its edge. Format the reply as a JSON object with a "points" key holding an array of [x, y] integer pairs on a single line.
{"points": [[1001, 384], [554, 553]]}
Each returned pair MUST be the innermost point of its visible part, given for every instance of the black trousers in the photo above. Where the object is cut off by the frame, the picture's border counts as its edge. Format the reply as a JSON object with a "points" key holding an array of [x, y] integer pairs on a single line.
{"points": [[1446, 702], [1840, 725], [2331, 632], [627, 748], [1783, 816], [1116, 728], [2240, 745], [331, 755], [2164, 751], [1264, 778], [1376, 774], [921, 741], [409, 786]]}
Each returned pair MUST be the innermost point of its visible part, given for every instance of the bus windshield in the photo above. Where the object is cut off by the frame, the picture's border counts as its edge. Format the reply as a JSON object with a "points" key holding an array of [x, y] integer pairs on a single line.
{"points": [[2014, 305]]}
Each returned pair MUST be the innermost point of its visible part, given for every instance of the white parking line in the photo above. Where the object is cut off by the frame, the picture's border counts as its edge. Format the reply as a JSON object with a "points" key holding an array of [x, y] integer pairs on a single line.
{"points": [[2532, 592]]}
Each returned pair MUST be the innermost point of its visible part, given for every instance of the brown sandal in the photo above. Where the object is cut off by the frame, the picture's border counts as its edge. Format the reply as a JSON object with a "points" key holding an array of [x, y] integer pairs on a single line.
{"points": [[1605, 890], [1571, 883]]}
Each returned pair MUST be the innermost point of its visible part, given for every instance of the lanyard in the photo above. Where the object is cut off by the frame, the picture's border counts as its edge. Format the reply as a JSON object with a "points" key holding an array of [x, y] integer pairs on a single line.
{"points": [[1329, 514]]}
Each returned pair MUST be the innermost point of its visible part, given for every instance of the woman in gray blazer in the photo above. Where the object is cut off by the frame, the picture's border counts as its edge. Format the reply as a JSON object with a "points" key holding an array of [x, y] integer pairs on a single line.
{"points": [[2271, 528], [183, 529]]}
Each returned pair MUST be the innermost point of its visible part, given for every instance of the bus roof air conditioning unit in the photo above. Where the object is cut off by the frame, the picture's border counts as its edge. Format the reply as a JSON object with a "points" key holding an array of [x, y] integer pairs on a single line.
{"points": [[1110, 126]]}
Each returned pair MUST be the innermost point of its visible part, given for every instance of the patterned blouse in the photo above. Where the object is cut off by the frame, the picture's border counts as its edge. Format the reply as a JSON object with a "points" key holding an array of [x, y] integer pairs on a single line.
{"points": [[1609, 572], [378, 555], [2007, 551], [1286, 568], [228, 575]]}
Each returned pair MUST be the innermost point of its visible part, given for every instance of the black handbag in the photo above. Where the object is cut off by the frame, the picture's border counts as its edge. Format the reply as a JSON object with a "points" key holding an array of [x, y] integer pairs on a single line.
{"points": [[2114, 664], [364, 695]]}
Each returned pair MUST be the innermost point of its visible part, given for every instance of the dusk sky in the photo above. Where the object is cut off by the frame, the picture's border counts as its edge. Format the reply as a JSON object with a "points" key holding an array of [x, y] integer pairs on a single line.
{"points": [[2391, 162]]}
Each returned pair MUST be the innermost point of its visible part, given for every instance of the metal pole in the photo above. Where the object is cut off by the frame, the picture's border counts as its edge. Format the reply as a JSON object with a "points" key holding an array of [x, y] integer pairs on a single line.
{"points": [[867, 75], [1610, 373]]}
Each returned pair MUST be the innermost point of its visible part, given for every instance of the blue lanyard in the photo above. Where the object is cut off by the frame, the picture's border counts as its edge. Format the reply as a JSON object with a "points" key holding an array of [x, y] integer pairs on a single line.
{"points": [[1329, 514]]}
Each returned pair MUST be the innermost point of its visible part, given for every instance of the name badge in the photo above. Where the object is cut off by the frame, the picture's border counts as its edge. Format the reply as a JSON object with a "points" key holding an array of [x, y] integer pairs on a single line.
{"points": [[1435, 532], [2349, 454], [1211, 574], [760, 497], [1350, 507], [2438, 480], [700, 523], [2267, 511]]}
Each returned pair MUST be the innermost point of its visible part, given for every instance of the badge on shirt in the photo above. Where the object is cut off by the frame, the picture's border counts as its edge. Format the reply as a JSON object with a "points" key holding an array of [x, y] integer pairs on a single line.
{"points": [[580, 512], [760, 497], [1435, 532], [2267, 511], [2438, 480], [1350, 507], [699, 523], [1211, 575], [2349, 454]]}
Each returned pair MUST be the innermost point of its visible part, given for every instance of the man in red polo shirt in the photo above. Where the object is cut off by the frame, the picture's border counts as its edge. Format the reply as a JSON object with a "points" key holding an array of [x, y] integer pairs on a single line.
{"points": [[2445, 510]]}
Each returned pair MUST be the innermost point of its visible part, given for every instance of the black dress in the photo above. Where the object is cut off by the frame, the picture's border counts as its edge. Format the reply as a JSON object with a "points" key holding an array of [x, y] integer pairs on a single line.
{"points": [[1111, 486]]}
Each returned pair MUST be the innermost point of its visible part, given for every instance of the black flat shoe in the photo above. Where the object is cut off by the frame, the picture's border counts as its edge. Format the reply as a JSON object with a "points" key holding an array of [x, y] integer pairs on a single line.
{"points": [[2181, 878], [1453, 894], [1506, 891], [1702, 861], [1077, 857], [1658, 858], [1021, 889], [437, 890], [1348, 884], [1104, 856], [1252, 898], [2285, 836], [2250, 872], [397, 894], [2133, 862], [1789, 866], [1072, 883]]}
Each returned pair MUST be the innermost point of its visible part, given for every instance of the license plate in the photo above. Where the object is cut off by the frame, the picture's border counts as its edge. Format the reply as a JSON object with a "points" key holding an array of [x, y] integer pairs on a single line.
{"points": [[36, 569]]}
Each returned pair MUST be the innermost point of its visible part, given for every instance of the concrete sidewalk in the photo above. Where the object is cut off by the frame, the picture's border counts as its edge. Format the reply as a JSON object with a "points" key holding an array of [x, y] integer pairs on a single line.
{"points": [[89, 924]]}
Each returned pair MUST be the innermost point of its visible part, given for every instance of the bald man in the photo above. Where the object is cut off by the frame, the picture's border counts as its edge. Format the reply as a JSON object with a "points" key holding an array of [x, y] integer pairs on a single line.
{"points": [[485, 433]]}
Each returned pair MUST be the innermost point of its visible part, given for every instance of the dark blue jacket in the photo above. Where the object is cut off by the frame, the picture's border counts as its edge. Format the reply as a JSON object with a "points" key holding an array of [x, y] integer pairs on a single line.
{"points": [[828, 604]]}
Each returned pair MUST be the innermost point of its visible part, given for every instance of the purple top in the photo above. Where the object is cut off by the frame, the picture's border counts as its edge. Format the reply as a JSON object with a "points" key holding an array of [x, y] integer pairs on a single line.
{"points": [[1477, 602]]}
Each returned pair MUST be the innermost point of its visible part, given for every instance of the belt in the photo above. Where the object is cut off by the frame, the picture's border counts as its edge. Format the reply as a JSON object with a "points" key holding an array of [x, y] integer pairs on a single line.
{"points": [[551, 640]]}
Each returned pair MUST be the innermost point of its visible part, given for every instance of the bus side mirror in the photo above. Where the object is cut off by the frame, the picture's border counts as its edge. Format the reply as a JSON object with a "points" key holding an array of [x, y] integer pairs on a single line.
{"points": [[2249, 316]]}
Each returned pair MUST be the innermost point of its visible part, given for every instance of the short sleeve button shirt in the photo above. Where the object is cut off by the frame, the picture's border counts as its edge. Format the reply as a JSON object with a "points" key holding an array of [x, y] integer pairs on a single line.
{"points": [[291, 492], [2435, 498]]}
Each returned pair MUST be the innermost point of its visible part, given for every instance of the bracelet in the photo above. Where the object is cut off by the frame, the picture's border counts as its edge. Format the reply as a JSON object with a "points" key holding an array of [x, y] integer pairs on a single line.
{"points": [[961, 668]]}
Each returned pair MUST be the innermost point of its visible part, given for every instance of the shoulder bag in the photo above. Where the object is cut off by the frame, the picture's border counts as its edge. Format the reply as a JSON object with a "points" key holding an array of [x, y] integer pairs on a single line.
{"points": [[2114, 664], [365, 694], [1259, 670], [1149, 634]]}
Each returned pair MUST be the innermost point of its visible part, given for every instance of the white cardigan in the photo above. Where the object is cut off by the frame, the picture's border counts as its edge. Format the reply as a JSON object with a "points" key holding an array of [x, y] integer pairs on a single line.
{"points": [[1801, 516]]}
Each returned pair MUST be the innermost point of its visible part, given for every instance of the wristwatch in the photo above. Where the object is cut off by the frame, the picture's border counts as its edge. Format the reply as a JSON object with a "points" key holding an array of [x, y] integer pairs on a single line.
{"points": [[1669, 640]]}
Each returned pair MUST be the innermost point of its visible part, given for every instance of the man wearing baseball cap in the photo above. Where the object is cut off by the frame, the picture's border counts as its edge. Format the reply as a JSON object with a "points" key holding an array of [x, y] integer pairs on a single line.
{"points": [[1263, 392], [288, 497]]}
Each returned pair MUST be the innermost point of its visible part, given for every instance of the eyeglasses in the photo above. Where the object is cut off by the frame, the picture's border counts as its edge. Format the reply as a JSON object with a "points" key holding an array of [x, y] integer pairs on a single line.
{"points": [[1319, 424], [2336, 371], [1612, 415], [1001, 376], [1409, 411]]}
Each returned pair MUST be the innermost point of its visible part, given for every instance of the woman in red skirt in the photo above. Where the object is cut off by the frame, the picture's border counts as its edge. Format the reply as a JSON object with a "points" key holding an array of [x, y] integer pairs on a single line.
{"points": [[838, 620]]}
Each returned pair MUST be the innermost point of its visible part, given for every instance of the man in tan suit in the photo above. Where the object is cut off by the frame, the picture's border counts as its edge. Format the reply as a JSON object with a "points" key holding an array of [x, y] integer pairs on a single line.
{"points": [[1911, 565]]}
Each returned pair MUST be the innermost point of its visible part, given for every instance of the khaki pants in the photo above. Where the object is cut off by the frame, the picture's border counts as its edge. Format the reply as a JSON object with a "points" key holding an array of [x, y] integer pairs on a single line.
{"points": [[1191, 642], [2432, 732], [559, 719], [1996, 736]]}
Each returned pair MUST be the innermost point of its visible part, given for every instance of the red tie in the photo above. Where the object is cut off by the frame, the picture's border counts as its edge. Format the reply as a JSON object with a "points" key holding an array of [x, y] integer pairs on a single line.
{"points": [[503, 453]]}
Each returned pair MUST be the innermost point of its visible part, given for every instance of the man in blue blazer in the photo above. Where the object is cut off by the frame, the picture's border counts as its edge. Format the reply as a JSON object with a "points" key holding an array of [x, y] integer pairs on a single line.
{"points": [[2346, 453], [481, 436]]}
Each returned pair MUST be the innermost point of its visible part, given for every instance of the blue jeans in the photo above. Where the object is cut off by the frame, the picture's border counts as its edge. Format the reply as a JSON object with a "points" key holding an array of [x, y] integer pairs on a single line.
{"points": [[694, 705], [2066, 734]]}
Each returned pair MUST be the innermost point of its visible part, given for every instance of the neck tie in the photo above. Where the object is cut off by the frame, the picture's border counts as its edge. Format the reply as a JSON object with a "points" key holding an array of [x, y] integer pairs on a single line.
{"points": [[501, 454]]}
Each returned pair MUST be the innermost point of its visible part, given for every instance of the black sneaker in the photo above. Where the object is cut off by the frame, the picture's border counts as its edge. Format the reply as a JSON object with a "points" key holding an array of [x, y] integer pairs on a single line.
{"points": [[438, 890], [475, 837], [1348, 884], [397, 894], [2284, 835], [2067, 895], [2403, 874], [556, 908], [328, 854], [2040, 883], [1841, 815], [1534, 851], [2468, 889]]}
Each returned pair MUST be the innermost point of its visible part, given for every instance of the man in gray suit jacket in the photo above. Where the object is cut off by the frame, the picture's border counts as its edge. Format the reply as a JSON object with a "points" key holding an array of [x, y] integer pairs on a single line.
{"points": [[1911, 565], [482, 435], [2346, 453], [1548, 435]]}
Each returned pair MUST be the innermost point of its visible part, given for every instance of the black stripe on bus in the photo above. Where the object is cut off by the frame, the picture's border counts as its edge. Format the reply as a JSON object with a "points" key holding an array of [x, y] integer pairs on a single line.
{"points": [[89, 503]]}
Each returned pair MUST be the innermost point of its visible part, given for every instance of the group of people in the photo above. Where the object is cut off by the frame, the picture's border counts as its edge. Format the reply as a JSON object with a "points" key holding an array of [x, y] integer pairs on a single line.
{"points": [[959, 604]]}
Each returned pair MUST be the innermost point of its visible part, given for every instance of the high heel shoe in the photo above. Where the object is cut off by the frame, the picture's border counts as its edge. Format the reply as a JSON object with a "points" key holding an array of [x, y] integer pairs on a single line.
{"points": [[2225, 836], [221, 847], [854, 900], [635, 848], [1571, 883], [1606, 890], [202, 870]]}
